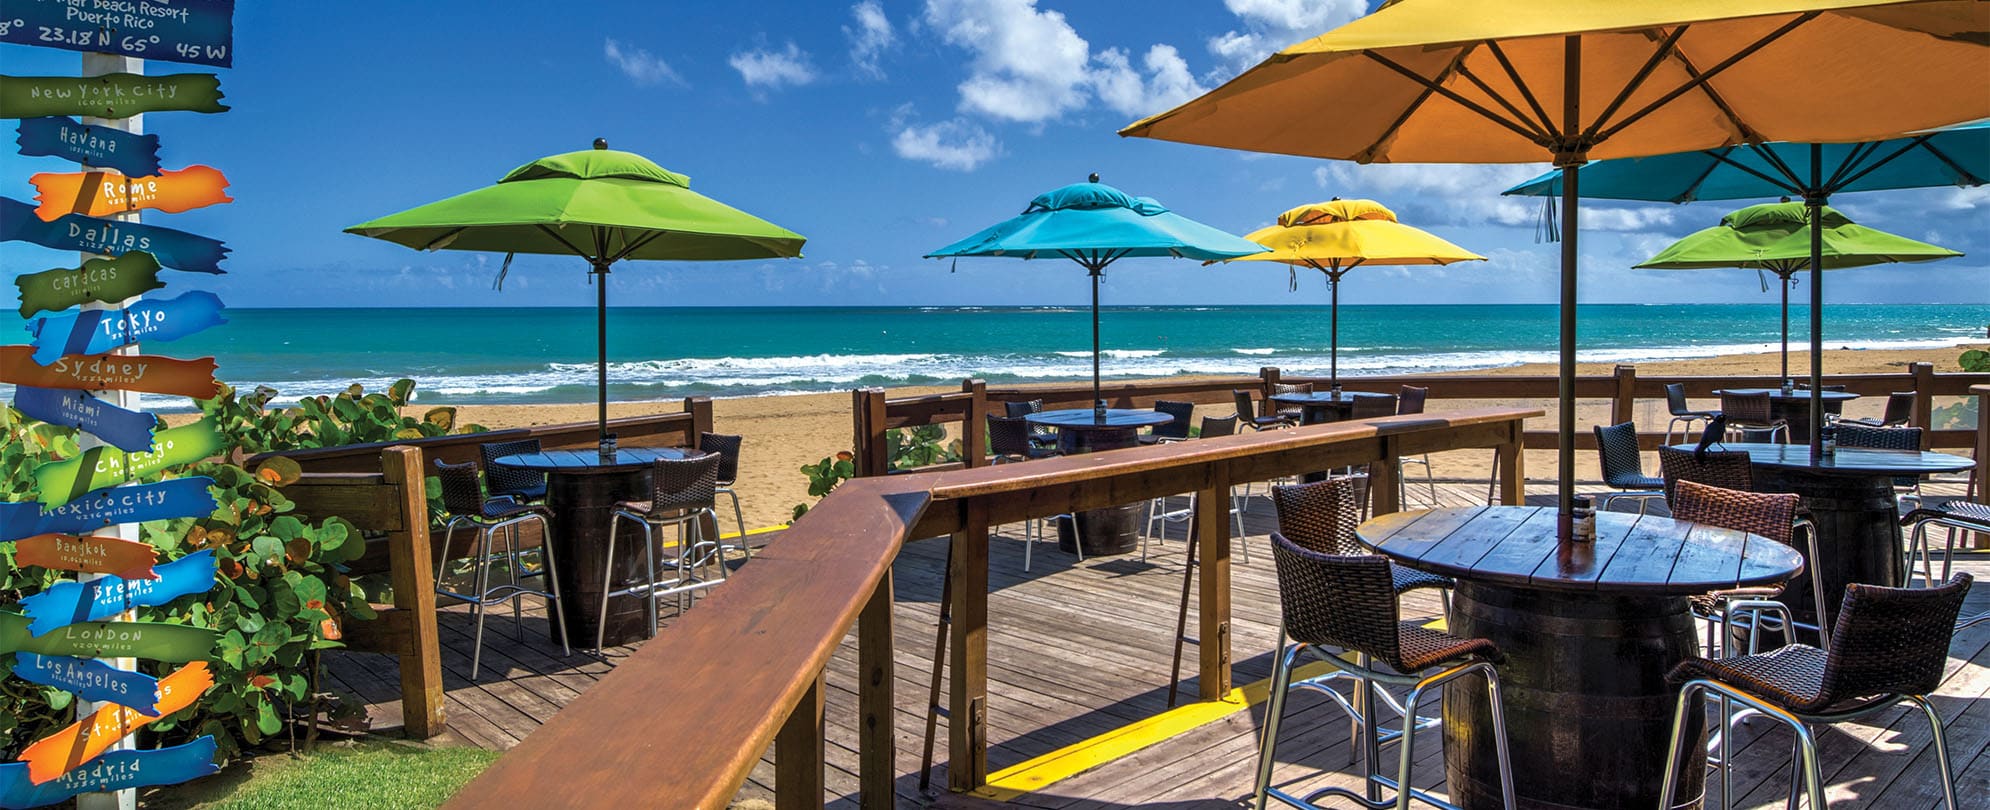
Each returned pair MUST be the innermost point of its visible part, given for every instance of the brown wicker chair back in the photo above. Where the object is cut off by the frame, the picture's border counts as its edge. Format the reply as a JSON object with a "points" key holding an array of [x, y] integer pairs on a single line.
{"points": [[1890, 641], [684, 483], [1319, 516], [1747, 410], [727, 447], [1009, 436], [461, 494], [503, 479], [1338, 600], [1727, 469], [1410, 399], [1770, 514], [1218, 426]]}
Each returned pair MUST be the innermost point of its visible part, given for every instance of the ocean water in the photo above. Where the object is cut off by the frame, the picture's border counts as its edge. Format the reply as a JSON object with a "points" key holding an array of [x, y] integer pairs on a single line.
{"points": [[521, 355]]}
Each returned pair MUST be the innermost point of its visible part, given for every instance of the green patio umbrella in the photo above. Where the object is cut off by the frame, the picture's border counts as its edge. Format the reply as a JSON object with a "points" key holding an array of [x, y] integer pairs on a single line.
{"points": [[599, 204], [1776, 237]]}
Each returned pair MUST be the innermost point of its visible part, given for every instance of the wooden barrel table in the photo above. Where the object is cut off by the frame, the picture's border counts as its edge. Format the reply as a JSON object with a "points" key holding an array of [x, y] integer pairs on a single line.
{"points": [[582, 489], [1589, 631], [1849, 495], [1114, 529]]}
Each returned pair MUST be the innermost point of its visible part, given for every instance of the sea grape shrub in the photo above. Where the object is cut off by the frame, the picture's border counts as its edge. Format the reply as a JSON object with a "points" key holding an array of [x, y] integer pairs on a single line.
{"points": [[922, 446], [1975, 360], [824, 475], [27, 711], [351, 417]]}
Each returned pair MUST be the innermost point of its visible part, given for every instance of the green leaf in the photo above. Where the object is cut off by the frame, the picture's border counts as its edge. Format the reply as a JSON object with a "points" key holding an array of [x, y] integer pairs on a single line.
{"points": [[402, 391]]}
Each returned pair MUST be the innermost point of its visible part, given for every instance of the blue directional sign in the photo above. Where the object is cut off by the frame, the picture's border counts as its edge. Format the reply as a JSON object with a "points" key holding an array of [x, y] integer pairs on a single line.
{"points": [[117, 770], [176, 249], [95, 331], [107, 596], [102, 147], [178, 498], [199, 32], [90, 679], [124, 429]]}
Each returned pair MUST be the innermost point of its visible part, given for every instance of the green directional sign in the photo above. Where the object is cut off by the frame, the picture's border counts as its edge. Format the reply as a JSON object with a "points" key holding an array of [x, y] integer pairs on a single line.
{"points": [[173, 643], [105, 466], [98, 280], [112, 95]]}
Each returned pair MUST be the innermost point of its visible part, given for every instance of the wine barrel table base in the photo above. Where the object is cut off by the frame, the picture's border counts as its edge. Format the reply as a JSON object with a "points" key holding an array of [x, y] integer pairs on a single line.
{"points": [[581, 492], [1588, 631], [1113, 529]]}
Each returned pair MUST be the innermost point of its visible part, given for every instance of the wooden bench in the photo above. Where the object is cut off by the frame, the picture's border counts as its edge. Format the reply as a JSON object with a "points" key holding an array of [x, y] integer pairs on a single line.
{"points": [[390, 508]]}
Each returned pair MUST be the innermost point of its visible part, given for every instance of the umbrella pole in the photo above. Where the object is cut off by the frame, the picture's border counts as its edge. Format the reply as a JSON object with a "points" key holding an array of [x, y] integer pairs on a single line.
{"points": [[1786, 327], [1570, 162], [1098, 402], [601, 349], [1814, 201], [1333, 319]]}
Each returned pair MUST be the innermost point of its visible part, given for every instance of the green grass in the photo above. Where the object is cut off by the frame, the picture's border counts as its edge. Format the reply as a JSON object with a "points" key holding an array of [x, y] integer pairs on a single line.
{"points": [[372, 774]]}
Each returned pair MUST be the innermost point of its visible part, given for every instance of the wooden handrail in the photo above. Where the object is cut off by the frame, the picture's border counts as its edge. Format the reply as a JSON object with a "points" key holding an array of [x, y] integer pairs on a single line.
{"points": [[682, 721]]}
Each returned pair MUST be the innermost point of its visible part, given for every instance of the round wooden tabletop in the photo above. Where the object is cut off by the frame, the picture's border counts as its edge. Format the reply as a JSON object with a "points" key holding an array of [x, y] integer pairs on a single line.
{"points": [[1797, 395], [590, 461], [1850, 461], [1515, 546], [1328, 398], [1085, 418]]}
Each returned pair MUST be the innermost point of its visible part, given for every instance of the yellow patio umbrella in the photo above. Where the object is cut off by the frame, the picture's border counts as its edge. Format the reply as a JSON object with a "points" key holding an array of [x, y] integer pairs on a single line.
{"points": [[1336, 236], [1469, 81]]}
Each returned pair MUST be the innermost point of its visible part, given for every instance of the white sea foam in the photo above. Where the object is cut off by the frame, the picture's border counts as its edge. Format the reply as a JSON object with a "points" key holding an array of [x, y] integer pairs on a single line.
{"points": [[1254, 352]]}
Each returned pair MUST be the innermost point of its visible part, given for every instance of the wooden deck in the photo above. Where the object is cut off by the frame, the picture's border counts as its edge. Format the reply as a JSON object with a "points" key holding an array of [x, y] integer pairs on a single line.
{"points": [[1078, 651]]}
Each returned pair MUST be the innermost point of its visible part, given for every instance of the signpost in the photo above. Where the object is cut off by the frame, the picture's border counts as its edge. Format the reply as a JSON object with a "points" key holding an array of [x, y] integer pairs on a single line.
{"points": [[111, 95], [106, 280], [178, 498], [125, 430], [199, 32], [96, 331], [176, 249], [93, 372], [60, 136], [101, 193], [105, 597]]}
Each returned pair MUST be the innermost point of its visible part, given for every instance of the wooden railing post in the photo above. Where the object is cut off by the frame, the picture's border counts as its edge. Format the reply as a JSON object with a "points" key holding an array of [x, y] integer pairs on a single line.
{"points": [[974, 433], [1385, 496], [1267, 377], [877, 751], [798, 750], [1623, 404], [1924, 399], [967, 666], [700, 409], [1212, 539], [1511, 458], [410, 567], [1982, 474], [873, 452]]}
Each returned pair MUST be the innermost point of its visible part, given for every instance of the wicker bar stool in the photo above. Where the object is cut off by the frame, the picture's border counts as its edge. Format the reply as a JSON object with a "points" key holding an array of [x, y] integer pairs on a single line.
{"points": [[1956, 515], [1727, 469], [1769, 514], [1899, 411], [1752, 413], [520, 485], [1683, 415], [1010, 441], [467, 507], [1173, 431], [1349, 602], [1618, 453], [727, 447], [682, 494], [1291, 414], [1891, 645], [1246, 414], [1039, 436], [1906, 488]]}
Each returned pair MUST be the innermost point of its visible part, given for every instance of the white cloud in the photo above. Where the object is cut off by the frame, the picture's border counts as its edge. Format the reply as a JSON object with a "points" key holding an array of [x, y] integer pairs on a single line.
{"points": [[869, 39], [1269, 25], [639, 65], [772, 69], [1167, 85], [1029, 65], [956, 143], [1464, 194]]}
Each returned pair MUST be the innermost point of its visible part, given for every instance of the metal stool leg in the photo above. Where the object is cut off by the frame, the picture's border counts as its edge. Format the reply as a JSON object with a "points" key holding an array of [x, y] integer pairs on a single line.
{"points": [[552, 575], [482, 580], [1281, 680]]}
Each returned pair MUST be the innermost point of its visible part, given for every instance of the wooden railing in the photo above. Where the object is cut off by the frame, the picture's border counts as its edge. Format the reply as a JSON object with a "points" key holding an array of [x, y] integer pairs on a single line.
{"points": [[682, 721], [874, 412]]}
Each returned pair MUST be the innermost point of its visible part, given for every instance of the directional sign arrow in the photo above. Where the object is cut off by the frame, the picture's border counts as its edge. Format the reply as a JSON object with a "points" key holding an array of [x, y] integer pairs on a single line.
{"points": [[110, 95], [97, 281], [86, 739], [105, 597], [200, 32], [91, 680], [117, 770], [129, 559], [95, 331], [176, 249], [63, 137], [102, 193], [128, 372], [165, 500], [125, 430], [98, 467]]}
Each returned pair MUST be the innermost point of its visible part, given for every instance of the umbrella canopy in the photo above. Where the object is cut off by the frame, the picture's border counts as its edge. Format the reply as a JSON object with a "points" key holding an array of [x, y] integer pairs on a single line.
{"points": [[1776, 237], [1444, 81], [599, 204], [1336, 236], [1095, 225]]}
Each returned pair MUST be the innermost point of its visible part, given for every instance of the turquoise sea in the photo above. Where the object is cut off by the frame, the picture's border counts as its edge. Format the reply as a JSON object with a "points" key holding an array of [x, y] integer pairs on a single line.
{"points": [[547, 355]]}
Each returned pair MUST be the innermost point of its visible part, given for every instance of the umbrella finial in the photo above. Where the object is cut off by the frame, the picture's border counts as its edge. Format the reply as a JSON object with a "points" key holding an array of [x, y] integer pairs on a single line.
{"points": [[1095, 177], [601, 143]]}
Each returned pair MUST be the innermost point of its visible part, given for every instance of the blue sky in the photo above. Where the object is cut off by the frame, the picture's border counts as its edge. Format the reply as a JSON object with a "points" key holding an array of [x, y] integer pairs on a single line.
{"points": [[880, 129]]}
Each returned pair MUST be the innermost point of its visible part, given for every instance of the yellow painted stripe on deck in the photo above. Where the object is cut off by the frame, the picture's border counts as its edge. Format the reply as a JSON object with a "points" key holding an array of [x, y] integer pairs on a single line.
{"points": [[1043, 771]]}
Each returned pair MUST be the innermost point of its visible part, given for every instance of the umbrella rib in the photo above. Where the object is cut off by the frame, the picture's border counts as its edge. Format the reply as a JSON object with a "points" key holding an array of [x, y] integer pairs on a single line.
{"points": [[1665, 49], [1453, 95], [1788, 182], [443, 238], [1796, 179], [1701, 80], [1746, 132], [1503, 102], [638, 245], [1971, 179], [1526, 92], [1692, 189], [563, 240], [1859, 152]]}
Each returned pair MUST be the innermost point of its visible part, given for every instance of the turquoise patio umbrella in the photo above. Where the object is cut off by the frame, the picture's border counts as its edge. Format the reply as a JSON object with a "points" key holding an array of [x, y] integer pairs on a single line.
{"points": [[1813, 172], [1095, 225]]}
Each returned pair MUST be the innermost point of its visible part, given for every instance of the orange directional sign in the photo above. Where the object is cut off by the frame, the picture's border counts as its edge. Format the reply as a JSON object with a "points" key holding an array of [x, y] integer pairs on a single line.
{"points": [[91, 555], [88, 738], [102, 193], [95, 372]]}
